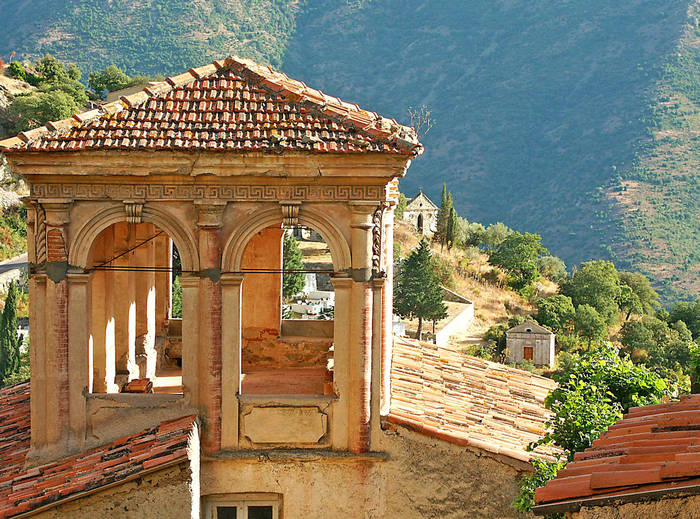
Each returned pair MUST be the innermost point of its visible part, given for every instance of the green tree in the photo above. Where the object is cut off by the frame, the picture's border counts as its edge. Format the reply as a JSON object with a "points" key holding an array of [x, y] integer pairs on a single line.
{"points": [[637, 295], [594, 390], [418, 294], [176, 305], [51, 70], [111, 78], [689, 313], [400, 206], [552, 268], [517, 255], [10, 341], [36, 110], [544, 471], [17, 70], [293, 282], [589, 324], [657, 344], [474, 234], [443, 222], [74, 73], [556, 312], [452, 236], [494, 235], [596, 283]]}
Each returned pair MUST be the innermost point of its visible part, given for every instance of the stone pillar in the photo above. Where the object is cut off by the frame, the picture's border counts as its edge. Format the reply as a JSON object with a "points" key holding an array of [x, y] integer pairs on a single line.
{"points": [[50, 340], [387, 339], [378, 286], [79, 366], [37, 359], [124, 305], [190, 338], [360, 328], [341, 361], [102, 318], [209, 223], [162, 254], [231, 302], [144, 256]]}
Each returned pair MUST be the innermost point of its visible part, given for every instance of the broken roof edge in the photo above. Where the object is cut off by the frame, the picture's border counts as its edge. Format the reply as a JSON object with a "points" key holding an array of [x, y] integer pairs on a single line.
{"points": [[276, 83], [432, 432], [636, 494]]}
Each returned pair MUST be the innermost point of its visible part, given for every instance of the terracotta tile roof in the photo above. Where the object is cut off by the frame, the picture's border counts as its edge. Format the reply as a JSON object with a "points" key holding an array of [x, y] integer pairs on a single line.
{"points": [[23, 490], [653, 448], [230, 105], [467, 400]]}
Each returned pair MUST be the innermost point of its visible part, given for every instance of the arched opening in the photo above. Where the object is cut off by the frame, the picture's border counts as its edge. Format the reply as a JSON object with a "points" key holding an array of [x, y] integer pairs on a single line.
{"points": [[287, 313], [420, 224], [135, 339]]}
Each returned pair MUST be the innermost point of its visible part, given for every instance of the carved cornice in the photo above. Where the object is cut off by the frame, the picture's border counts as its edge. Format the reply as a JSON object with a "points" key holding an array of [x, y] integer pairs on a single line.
{"points": [[237, 193]]}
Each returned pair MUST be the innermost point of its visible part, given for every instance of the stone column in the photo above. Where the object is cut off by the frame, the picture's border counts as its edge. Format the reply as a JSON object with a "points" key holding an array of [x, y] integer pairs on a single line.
{"points": [[124, 305], [387, 339], [360, 328], [231, 303], [54, 347], [190, 338], [102, 318], [144, 256], [341, 362], [209, 223], [79, 365], [37, 359], [378, 287]]}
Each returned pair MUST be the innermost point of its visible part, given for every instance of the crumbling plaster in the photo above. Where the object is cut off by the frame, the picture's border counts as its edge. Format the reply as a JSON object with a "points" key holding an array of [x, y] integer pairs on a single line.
{"points": [[671, 507]]}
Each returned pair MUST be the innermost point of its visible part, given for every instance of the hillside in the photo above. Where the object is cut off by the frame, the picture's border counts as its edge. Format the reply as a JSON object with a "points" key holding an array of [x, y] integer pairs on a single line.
{"points": [[571, 119]]}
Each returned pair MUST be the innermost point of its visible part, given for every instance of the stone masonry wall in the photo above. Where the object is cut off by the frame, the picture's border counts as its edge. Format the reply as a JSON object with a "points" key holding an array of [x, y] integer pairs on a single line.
{"points": [[164, 494], [682, 507]]}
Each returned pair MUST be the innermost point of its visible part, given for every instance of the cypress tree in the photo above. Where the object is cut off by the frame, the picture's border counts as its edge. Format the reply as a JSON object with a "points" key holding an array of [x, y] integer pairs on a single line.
{"points": [[292, 282], [10, 342], [418, 293], [443, 217]]}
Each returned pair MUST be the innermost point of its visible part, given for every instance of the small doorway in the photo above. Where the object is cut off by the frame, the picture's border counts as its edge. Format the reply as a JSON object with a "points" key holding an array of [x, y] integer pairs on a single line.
{"points": [[420, 223], [528, 353]]}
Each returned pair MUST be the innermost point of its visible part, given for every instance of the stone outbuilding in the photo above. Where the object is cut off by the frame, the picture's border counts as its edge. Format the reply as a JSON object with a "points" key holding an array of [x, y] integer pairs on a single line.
{"points": [[251, 414], [645, 466], [422, 214], [530, 341]]}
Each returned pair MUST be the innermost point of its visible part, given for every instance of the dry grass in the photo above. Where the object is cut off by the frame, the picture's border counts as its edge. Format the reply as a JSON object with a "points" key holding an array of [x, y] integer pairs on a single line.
{"points": [[493, 304]]}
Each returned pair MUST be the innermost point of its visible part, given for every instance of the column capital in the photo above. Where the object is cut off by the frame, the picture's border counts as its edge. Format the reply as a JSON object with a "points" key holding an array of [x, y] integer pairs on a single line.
{"points": [[57, 210], [231, 279], [210, 213], [189, 281], [341, 283], [78, 277]]}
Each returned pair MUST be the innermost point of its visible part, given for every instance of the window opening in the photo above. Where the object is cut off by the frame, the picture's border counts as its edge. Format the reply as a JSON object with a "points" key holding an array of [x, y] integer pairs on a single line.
{"points": [[135, 348], [287, 313], [242, 506]]}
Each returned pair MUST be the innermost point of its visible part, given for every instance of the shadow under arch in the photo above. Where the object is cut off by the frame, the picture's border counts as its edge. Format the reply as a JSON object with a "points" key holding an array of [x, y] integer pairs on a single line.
{"points": [[80, 246], [259, 220]]}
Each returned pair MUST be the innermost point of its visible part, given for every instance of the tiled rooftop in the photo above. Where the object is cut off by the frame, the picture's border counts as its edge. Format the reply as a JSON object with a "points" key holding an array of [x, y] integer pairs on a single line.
{"points": [[230, 105], [653, 448], [22, 490], [467, 400]]}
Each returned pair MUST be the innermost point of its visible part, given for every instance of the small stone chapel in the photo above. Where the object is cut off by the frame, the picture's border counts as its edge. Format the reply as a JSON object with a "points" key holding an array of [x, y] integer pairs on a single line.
{"points": [[135, 409]]}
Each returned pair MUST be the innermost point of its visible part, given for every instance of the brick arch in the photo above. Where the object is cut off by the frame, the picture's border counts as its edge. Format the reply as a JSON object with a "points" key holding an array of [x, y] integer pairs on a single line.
{"points": [[259, 220], [185, 242]]}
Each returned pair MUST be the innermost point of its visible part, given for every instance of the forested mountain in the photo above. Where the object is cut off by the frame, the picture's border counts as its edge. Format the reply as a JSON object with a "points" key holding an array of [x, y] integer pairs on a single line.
{"points": [[574, 119]]}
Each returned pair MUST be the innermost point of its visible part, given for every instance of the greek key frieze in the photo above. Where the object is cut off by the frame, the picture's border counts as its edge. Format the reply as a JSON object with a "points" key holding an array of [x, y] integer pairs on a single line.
{"points": [[242, 193]]}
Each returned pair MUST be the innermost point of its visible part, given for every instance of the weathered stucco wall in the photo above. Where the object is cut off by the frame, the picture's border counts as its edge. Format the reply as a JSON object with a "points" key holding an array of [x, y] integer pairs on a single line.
{"points": [[163, 494], [421, 478], [682, 507]]}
